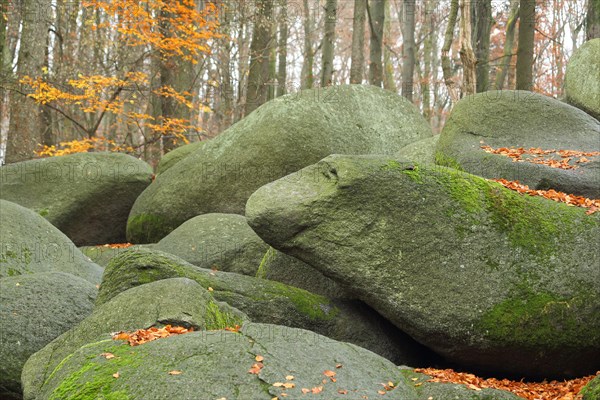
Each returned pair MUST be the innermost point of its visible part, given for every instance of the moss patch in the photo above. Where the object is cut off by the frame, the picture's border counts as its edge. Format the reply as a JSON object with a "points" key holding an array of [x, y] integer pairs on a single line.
{"points": [[216, 319], [535, 319], [261, 272], [591, 391], [447, 161], [147, 228], [79, 385]]}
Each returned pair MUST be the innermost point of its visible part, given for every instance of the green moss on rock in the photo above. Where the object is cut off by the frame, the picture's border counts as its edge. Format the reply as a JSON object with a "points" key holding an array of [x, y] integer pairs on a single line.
{"points": [[79, 385], [139, 225]]}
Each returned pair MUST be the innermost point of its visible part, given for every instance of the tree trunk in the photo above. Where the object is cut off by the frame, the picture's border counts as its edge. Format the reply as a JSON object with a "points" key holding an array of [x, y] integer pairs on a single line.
{"points": [[592, 20], [376, 14], [427, 55], [389, 82], [446, 63], [328, 43], [482, 31], [283, 38], [508, 44], [467, 55], [525, 50], [175, 73], [26, 117], [309, 54], [408, 53], [260, 50], [358, 41]]}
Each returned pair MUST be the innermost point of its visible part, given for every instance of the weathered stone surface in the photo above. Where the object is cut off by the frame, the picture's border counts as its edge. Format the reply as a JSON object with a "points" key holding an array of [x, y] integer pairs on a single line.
{"points": [[215, 365], [178, 302], [225, 242], [176, 155], [87, 196], [422, 152], [30, 244], [269, 302], [483, 275], [515, 119], [278, 138], [34, 309], [582, 79]]}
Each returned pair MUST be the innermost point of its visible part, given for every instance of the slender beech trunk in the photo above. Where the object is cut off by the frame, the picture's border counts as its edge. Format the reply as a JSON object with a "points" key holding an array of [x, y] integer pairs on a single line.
{"points": [[358, 41], [467, 55], [283, 38], [482, 30], [26, 115], [260, 51], [408, 53], [389, 82], [328, 43], [446, 63], [427, 53], [308, 80], [592, 20], [525, 50], [511, 23], [376, 14]]}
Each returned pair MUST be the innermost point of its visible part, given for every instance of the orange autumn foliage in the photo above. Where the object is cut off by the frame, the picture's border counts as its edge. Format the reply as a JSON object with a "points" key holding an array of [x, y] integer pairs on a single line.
{"points": [[593, 205], [173, 28], [142, 336], [554, 390], [517, 155]]}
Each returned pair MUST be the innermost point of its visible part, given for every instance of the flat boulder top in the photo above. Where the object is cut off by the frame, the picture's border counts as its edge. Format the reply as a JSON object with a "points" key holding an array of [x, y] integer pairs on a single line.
{"points": [[280, 137], [515, 119], [582, 79]]}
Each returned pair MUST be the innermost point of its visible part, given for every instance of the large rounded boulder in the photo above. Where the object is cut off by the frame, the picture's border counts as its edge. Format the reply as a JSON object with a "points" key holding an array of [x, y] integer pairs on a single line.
{"points": [[30, 244], [268, 302], [35, 309], [176, 302], [486, 132], [225, 242], [261, 361], [87, 196], [582, 79], [176, 155], [487, 277], [280, 137]]}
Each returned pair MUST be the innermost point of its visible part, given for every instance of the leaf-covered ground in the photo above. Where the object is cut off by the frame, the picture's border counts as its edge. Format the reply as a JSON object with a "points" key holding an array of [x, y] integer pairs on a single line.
{"points": [[553, 390]]}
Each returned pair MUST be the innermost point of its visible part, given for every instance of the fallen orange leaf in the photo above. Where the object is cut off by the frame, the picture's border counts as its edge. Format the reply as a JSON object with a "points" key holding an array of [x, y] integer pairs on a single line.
{"points": [[175, 372]]}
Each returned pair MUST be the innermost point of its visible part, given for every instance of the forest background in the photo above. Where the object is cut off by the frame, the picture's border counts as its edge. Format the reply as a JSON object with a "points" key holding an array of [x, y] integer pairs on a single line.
{"points": [[146, 77]]}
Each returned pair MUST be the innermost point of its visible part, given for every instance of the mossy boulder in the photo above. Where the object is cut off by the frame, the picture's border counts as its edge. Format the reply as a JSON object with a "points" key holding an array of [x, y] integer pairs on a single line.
{"points": [[102, 255], [485, 276], [582, 79], [422, 152], [221, 241], [34, 309], [514, 119], [280, 267], [269, 302], [225, 242], [591, 391], [215, 365], [30, 244], [178, 302], [87, 196], [176, 155], [278, 138]]}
